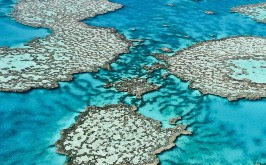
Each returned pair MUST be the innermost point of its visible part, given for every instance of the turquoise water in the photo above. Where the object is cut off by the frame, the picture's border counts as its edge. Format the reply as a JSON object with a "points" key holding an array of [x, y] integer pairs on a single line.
{"points": [[223, 132], [255, 70], [12, 33]]}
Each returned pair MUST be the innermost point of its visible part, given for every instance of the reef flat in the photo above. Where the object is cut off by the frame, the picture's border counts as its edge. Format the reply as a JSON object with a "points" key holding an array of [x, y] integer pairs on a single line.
{"points": [[73, 46], [255, 11], [210, 66], [116, 134], [135, 86]]}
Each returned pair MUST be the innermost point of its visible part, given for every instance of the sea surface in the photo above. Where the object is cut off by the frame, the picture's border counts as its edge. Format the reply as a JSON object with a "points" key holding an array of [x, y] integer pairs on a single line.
{"points": [[223, 132]]}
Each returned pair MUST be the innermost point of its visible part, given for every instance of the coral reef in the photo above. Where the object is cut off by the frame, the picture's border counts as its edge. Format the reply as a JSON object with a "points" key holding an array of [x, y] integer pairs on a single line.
{"points": [[73, 46], [208, 66], [134, 86], [154, 66], [167, 50], [209, 12], [255, 11], [173, 121], [116, 134]]}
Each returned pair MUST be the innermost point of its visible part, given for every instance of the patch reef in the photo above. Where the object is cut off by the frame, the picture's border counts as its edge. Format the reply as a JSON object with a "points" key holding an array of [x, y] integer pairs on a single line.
{"points": [[208, 66], [73, 46], [135, 86], [116, 134], [255, 11], [153, 67]]}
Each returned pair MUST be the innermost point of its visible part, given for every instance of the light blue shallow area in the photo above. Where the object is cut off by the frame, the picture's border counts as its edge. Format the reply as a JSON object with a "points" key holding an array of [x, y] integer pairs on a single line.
{"points": [[255, 71], [12, 33], [260, 14], [223, 132]]}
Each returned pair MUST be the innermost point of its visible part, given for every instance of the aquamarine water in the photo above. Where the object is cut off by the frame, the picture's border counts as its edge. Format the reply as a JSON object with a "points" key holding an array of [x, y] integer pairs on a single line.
{"points": [[255, 70], [223, 132], [12, 33]]}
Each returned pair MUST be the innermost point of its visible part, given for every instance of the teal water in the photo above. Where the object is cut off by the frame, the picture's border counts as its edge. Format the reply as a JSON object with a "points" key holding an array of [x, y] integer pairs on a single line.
{"points": [[255, 70], [223, 132], [12, 33]]}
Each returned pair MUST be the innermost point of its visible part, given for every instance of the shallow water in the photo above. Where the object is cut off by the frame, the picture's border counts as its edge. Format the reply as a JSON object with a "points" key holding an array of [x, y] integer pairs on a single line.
{"points": [[255, 70], [223, 132], [14, 34]]}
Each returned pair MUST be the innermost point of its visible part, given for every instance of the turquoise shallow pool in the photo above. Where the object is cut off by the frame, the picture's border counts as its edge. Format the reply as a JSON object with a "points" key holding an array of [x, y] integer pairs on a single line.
{"points": [[223, 132], [255, 70]]}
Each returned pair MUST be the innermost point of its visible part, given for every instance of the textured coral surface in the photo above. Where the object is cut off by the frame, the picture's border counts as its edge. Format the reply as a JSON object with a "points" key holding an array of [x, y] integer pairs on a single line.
{"points": [[210, 66], [73, 46], [116, 134], [255, 11]]}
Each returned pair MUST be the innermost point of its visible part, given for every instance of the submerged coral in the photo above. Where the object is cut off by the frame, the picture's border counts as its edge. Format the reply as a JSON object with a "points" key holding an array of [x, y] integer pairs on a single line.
{"points": [[208, 66], [134, 86], [73, 46], [173, 121], [116, 134], [255, 11], [155, 66]]}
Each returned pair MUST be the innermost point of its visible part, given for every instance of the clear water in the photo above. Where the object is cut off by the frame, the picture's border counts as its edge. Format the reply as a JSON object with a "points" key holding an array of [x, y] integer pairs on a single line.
{"points": [[223, 132], [12, 33], [260, 14], [255, 70]]}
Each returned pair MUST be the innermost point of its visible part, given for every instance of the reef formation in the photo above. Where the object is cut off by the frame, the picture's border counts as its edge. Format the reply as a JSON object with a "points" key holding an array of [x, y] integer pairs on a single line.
{"points": [[155, 66], [210, 66], [72, 47], [116, 134], [255, 11], [134, 86]]}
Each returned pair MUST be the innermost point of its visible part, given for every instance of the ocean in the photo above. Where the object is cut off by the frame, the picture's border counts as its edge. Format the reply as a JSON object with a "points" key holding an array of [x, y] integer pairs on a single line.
{"points": [[223, 132]]}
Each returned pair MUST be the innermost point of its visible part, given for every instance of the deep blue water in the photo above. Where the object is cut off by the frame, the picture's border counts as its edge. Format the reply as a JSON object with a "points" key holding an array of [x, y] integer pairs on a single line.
{"points": [[223, 132]]}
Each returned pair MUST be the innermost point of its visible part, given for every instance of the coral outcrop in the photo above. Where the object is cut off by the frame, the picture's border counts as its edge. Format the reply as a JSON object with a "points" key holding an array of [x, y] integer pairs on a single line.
{"points": [[135, 86]]}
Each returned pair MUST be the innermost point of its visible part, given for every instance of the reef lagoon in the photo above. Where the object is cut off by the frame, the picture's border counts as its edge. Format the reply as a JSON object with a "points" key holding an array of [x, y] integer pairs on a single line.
{"points": [[223, 132]]}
